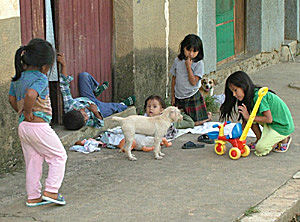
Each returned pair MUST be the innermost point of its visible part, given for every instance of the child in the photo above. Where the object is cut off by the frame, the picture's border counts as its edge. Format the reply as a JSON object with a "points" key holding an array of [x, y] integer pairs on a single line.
{"points": [[187, 71], [87, 109], [154, 105], [273, 114], [29, 97]]}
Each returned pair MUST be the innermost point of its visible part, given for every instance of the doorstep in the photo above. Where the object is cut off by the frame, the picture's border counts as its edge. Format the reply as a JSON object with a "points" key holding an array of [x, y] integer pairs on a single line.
{"points": [[69, 137]]}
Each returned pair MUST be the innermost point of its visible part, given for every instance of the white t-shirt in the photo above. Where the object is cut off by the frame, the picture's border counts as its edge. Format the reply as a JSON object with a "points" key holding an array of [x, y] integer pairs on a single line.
{"points": [[183, 88]]}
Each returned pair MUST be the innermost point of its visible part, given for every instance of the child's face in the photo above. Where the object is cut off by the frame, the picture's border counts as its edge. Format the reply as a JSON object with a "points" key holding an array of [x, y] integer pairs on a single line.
{"points": [[237, 92], [153, 108], [190, 53]]}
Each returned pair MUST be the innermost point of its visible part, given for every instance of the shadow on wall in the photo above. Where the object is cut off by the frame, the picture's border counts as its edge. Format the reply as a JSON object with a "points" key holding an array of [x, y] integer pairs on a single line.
{"points": [[143, 74], [11, 157]]}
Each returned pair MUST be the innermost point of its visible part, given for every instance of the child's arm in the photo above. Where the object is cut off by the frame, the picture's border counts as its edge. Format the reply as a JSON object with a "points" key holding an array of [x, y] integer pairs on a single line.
{"points": [[192, 78], [266, 118], [61, 60], [187, 122], [173, 91], [29, 100], [93, 108], [13, 102]]}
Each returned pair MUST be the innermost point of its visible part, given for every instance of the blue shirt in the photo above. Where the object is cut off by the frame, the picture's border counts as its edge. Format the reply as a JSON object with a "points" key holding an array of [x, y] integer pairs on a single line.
{"points": [[32, 79]]}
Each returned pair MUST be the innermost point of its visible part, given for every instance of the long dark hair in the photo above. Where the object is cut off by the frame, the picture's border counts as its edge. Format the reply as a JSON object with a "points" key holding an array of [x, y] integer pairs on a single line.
{"points": [[242, 80], [191, 41], [37, 52]]}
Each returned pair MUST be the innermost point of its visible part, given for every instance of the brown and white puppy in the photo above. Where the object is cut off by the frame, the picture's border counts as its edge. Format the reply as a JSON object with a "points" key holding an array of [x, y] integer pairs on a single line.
{"points": [[155, 126], [207, 86]]}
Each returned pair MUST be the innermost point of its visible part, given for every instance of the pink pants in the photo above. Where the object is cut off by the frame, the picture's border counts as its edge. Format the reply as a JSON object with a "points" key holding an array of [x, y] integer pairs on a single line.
{"points": [[39, 142]]}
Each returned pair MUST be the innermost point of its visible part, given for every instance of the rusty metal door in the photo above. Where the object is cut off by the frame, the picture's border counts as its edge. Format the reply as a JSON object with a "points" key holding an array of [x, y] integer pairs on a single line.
{"points": [[84, 34], [32, 20], [83, 31]]}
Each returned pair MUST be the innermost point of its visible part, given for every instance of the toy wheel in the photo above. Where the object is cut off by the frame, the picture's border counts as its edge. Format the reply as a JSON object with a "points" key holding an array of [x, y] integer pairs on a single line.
{"points": [[220, 149], [234, 153], [246, 151]]}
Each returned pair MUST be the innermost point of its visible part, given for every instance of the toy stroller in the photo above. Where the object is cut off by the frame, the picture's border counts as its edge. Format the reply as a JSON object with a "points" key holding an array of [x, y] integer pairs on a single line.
{"points": [[238, 137]]}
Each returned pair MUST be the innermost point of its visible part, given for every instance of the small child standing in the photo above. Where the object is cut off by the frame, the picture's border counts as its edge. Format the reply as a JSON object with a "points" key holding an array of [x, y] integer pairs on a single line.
{"points": [[29, 97], [187, 71], [273, 114]]}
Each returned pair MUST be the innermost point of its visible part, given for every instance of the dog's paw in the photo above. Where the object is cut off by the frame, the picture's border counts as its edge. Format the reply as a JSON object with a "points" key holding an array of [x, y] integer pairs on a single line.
{"points": [[161, 154], [158, 157], [132, 158]]}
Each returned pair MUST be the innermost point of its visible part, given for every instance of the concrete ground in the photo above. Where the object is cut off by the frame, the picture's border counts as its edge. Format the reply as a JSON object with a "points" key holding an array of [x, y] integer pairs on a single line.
{"points": [[187, 185]]}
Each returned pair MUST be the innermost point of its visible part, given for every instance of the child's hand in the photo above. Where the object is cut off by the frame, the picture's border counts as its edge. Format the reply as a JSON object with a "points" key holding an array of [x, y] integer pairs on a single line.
{"points": [[61, 59], [188, 62], [173, 101], [28, 116], [243, 110]]}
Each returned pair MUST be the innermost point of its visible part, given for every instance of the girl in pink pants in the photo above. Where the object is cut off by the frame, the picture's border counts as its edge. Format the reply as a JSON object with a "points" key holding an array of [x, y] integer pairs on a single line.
{"points": [[29, 96]]}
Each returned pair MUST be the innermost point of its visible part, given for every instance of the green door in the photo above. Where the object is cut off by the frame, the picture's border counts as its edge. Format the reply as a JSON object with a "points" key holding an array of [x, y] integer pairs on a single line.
{"points": [[225, 29]]}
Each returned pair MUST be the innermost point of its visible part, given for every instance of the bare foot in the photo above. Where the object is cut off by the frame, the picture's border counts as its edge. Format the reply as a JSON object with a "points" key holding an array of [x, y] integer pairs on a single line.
{"points": [[198, 123], [51, 195], [37, 200]]}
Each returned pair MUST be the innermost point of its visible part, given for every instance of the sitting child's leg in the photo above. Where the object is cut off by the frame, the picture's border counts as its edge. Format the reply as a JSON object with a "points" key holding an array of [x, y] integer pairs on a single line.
{"points": [[122, 143], [87, 84], [268, 139], [166, 143]]}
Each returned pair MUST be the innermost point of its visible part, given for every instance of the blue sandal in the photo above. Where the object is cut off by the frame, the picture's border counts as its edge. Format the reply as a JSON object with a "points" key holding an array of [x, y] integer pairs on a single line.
{"points": [[59, 200], [191, 145], [283, 147]]}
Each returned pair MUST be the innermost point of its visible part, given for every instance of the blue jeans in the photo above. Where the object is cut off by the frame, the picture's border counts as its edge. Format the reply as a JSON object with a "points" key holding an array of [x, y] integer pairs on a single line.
{"points": [[87, 84]]}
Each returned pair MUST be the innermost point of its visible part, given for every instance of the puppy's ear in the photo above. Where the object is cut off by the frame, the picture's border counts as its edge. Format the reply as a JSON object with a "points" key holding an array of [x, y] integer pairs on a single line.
{"points": [[215, 82]]}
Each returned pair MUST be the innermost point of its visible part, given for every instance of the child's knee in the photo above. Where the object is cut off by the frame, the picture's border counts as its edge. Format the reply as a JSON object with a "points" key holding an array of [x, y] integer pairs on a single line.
{"points": [[83, 75], [262, 149]]}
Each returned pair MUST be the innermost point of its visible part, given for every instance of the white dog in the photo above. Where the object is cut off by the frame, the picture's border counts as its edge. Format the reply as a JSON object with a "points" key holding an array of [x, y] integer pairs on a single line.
{"points": [[156, 126], [207, 86]]}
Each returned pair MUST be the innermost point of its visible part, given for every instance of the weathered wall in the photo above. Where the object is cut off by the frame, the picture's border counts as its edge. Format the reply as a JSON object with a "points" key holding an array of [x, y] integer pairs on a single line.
{"points": [[272, 25], [291, 20], [207, 32], [10, 149], [140, 49], [265, 25]]}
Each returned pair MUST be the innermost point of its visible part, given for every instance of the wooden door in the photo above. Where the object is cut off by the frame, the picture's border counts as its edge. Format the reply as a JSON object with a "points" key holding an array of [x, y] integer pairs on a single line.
{"points": [[83, 31], [230, 29]]}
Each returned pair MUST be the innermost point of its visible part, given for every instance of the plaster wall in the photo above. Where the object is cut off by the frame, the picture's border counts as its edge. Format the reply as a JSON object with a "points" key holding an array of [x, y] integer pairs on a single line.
{"points": [[207, 32], [9, 8], [10, 40], [291, 20], [253, 26], [272, 25], [149, 36]]}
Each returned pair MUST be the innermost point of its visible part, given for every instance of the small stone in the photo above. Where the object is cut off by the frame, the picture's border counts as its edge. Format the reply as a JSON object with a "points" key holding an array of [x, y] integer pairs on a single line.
{"points": [[297, 175]]}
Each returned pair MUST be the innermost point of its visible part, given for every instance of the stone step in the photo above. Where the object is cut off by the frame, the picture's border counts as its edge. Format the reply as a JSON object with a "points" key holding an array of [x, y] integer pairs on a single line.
{"points": [[69, 137]]}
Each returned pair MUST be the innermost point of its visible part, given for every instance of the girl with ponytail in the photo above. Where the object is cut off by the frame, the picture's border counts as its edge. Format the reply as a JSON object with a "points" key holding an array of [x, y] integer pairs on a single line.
{"points": [[29, 97]]}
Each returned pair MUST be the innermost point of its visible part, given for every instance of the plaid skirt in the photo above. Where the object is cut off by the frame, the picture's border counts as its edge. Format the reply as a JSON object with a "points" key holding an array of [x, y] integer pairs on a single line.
{"points": [[194, 106]]}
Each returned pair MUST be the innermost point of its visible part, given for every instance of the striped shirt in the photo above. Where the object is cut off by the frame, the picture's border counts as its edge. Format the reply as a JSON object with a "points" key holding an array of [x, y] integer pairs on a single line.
{"points": [[78, 103]]}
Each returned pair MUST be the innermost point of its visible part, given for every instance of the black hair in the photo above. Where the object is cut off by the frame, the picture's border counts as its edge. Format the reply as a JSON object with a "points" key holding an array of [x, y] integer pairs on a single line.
{"points": [[37, 52], [242, 80], [73, 120], [192, 41], [158, 98]]}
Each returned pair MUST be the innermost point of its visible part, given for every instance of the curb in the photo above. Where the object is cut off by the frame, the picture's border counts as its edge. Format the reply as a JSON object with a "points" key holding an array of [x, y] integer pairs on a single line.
{"points": [[281, 206]]}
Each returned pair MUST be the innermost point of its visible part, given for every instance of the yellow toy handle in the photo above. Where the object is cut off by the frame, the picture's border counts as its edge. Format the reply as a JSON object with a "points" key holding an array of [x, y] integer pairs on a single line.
{"points": [[261, 93]]}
